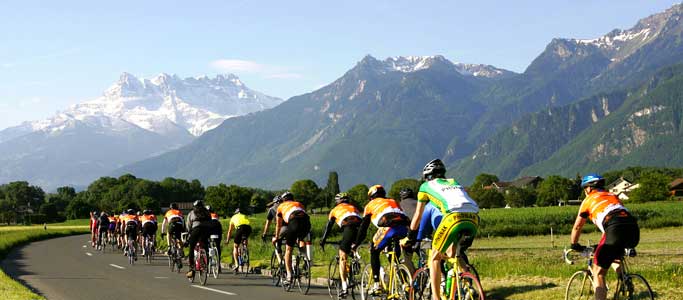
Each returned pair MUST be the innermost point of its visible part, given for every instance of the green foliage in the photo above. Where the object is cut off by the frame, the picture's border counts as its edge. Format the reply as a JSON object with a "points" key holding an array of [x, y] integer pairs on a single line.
{"points": [[306, 191], [654, 186], [226, 199], [359, 195], [483, 180], [520, 197], [400, 184], [553, 189], [330, 190], [488, 198]]}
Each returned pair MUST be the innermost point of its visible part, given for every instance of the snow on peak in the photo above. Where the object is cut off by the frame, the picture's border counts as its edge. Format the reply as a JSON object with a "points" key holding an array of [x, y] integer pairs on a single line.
{"points": [[408, 64], [481, 70]]}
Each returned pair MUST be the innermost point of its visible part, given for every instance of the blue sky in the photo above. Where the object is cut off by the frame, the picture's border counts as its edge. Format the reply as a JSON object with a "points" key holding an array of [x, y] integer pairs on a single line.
{"points": [[57, 53]]}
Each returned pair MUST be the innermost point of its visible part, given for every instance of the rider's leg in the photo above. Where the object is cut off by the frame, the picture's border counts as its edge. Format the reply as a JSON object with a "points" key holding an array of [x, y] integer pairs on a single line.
{"points": [[235, 254], [342, 268], [288, 260], [435, 274], [599, 280]]}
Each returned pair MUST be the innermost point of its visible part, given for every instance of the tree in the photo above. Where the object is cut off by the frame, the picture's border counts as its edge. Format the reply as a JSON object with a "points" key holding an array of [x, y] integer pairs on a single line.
{"points": [[488, 198], [258, 202], [305, 191], [50, 211], [79, 208], [331, 189], [654, 186], [520, 197], [553, 189], [147, 202], [400, 184], [359, 195], [482, 180]]}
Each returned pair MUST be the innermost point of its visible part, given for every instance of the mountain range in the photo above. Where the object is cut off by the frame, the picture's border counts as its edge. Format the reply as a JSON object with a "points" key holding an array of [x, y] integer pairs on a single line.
{"points": [[134, 119]]}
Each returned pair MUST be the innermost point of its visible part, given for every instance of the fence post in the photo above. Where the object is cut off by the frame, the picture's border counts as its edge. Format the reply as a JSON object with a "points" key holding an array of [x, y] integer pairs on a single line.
{"points": [[552, 237]]}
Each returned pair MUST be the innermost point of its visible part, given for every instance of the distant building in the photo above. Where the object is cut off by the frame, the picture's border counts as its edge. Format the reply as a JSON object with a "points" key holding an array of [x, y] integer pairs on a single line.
{"points": [[676, 187], [622, 187], [522, 182]]}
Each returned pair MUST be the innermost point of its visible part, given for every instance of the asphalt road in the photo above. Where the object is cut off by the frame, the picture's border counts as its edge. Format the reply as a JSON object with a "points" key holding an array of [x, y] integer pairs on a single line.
{"points": [[68, 268]]}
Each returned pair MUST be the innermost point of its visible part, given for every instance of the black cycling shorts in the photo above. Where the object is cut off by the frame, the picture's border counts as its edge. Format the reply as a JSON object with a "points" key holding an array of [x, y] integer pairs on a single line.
{"points": [[149, 229], [175, 229], [349, 234], [243, 231], [216, 228], [297, 228], [621, 231], [132, 232]]}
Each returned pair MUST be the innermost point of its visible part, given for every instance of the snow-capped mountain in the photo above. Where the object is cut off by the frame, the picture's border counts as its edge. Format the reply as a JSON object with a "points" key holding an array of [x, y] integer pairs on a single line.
{"points": [[134, 119], [408, 64]]}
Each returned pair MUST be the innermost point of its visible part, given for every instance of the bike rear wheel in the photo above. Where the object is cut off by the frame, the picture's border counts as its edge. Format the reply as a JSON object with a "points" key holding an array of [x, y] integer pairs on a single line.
{"points": [[354, 275], [635, 287], [203, 267], [275, 269], [366, 283], [420, 289], [471, 287], [580, 287], [402, 281], [304, 275], [333, 278], [244, 252]]}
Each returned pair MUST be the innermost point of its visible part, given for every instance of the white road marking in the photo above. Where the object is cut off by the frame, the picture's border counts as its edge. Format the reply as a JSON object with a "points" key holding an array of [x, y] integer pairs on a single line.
{"points": [[84, 246], [88, 254], [214, 290], [117, 266]]}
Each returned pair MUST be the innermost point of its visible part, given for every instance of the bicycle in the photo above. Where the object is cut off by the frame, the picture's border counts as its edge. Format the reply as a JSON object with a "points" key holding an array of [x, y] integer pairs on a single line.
{"points": [[301, 272], [353, 271], [277, 265], [243, 257], [629, 285], [395, 281], [467, 284], [131, 252], [111, 240], [175, 261], [201, 263], [214, 259], [148, 245]]}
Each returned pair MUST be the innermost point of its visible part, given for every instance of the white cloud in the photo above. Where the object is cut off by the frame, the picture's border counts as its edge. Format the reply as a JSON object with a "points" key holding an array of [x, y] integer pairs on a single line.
{"points": [[247, 66]]}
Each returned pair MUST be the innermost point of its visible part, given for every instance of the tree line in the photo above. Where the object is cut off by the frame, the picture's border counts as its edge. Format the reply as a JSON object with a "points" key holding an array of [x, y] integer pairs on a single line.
{"points": [[21, 202]]}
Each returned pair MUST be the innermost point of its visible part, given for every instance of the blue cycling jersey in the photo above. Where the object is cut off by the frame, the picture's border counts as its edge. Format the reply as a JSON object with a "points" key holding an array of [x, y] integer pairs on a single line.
{"points": [[431, 218]]}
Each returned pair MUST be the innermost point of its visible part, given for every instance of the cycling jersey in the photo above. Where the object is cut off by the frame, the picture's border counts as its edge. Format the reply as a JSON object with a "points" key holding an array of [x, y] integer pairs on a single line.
{"points": [[431, 218], [598, 205], [148, 218], [173, 214], [380, 207], [238, 220], [447, 195], [214, 216], [289, 208], [343, 211], [130, 219]]}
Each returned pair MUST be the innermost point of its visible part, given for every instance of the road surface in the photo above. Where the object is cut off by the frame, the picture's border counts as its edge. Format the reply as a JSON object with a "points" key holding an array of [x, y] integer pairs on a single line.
{"points": [[68, 268]]}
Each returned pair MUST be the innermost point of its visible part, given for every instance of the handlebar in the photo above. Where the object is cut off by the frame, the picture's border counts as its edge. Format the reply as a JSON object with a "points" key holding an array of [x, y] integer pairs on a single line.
{"points": [[588, 252]]}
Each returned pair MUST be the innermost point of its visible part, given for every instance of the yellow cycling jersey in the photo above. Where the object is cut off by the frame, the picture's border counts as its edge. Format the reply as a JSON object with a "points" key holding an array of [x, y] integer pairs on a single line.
{"points": [[239, 220]]}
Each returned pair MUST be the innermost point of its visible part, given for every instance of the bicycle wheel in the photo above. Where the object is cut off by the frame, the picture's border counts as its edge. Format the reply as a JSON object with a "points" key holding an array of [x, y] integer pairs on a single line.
{"points": [[366, 283], [420, 288], [274, 269], [471, 287], [245, 259], [580, 286], [304, 275], [355, 273], [402, 281], [171, 260], [203, 267], [635, 287], [333, 279]]}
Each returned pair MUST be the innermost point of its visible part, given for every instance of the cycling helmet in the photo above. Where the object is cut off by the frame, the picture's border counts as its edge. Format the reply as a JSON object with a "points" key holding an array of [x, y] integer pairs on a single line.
{"points": [[103, 214], [174, 205], [406, 193], [341, 198], [237, 211], [198, 203], [592, 180], [434, 169], [130, 211], [147, 212], [208, 207], [277, 199], [377, 191], [139, 213], [287, 196]]}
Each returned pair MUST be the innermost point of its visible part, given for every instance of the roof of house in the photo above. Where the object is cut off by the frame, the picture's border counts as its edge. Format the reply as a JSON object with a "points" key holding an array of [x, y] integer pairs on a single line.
{"points": [[525, 181], [617, 182], [676, 184]]}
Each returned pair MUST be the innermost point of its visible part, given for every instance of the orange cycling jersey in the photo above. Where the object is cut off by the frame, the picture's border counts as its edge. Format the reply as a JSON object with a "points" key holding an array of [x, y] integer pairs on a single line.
{"points": [[379, 207], [598, 205], [214, 216], [173, 213], [287, 208], [343, 211], [112, 220], [148, 218], [130, 218]]}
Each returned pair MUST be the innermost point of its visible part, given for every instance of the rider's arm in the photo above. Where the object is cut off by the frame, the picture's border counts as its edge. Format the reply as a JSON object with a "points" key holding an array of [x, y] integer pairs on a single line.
{"points": [[576, 230], [163, 226], [328, 228], [265, 228], [363, 230], [419, 209], [230, 227], [278, 225]]}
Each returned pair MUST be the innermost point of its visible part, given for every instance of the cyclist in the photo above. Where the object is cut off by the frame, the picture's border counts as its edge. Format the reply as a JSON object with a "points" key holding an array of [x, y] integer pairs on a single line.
{"points": [[93, 228], [131, 226], [272, 213], [102, 227], [199, 225], [242, 227], [619, 229], [120, 228], [173, 223], [408, 204], [460, 218], [111, 230], [386, 214], [216, 229], [149, 228], [347, 217], [293, 214]]}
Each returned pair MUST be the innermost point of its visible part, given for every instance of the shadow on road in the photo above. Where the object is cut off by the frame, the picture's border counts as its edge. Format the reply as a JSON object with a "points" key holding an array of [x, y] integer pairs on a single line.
{"points": [[501, 293]]}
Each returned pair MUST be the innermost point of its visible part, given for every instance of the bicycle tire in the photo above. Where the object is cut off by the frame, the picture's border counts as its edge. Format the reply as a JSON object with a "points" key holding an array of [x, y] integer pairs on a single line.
{"points": [[634, 288], [366, 283], [304, 275], [579, 287], [274, 269], [171, 260], [420, 288], [245, 259], [333, 278], [402, 282], [203, 267], [471, 287], [354, 278]]}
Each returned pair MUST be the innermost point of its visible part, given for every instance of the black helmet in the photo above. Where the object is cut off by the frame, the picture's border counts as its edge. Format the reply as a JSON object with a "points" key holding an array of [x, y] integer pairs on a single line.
{"points": [[341, 198], [434, 169], [103, 214], [208, 207], [376, 191], [198, 203], [130, 211], [174, 205], [277, 199], [147, 212], [287, 196], [406, 193]]}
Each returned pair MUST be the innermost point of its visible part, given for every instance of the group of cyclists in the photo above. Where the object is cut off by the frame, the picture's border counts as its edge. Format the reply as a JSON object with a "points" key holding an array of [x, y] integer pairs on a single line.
{"points": [[127, 226], [442, 208]]}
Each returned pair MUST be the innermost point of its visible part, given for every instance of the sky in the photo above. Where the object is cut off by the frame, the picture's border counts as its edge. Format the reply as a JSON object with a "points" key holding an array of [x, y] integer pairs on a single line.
{"points": [[57, 53]]}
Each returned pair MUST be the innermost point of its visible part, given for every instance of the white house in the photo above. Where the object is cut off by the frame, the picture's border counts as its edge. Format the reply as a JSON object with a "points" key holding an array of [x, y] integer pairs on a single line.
{"points": [[621, 187]]}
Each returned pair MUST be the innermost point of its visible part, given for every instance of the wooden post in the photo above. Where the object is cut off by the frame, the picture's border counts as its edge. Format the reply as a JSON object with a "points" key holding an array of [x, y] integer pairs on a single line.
{"points": [[552, 238]]}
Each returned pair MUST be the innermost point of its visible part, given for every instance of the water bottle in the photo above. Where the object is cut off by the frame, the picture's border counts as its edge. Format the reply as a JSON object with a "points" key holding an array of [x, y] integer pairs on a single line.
{"points": [[449, 282], [294, 259]]}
